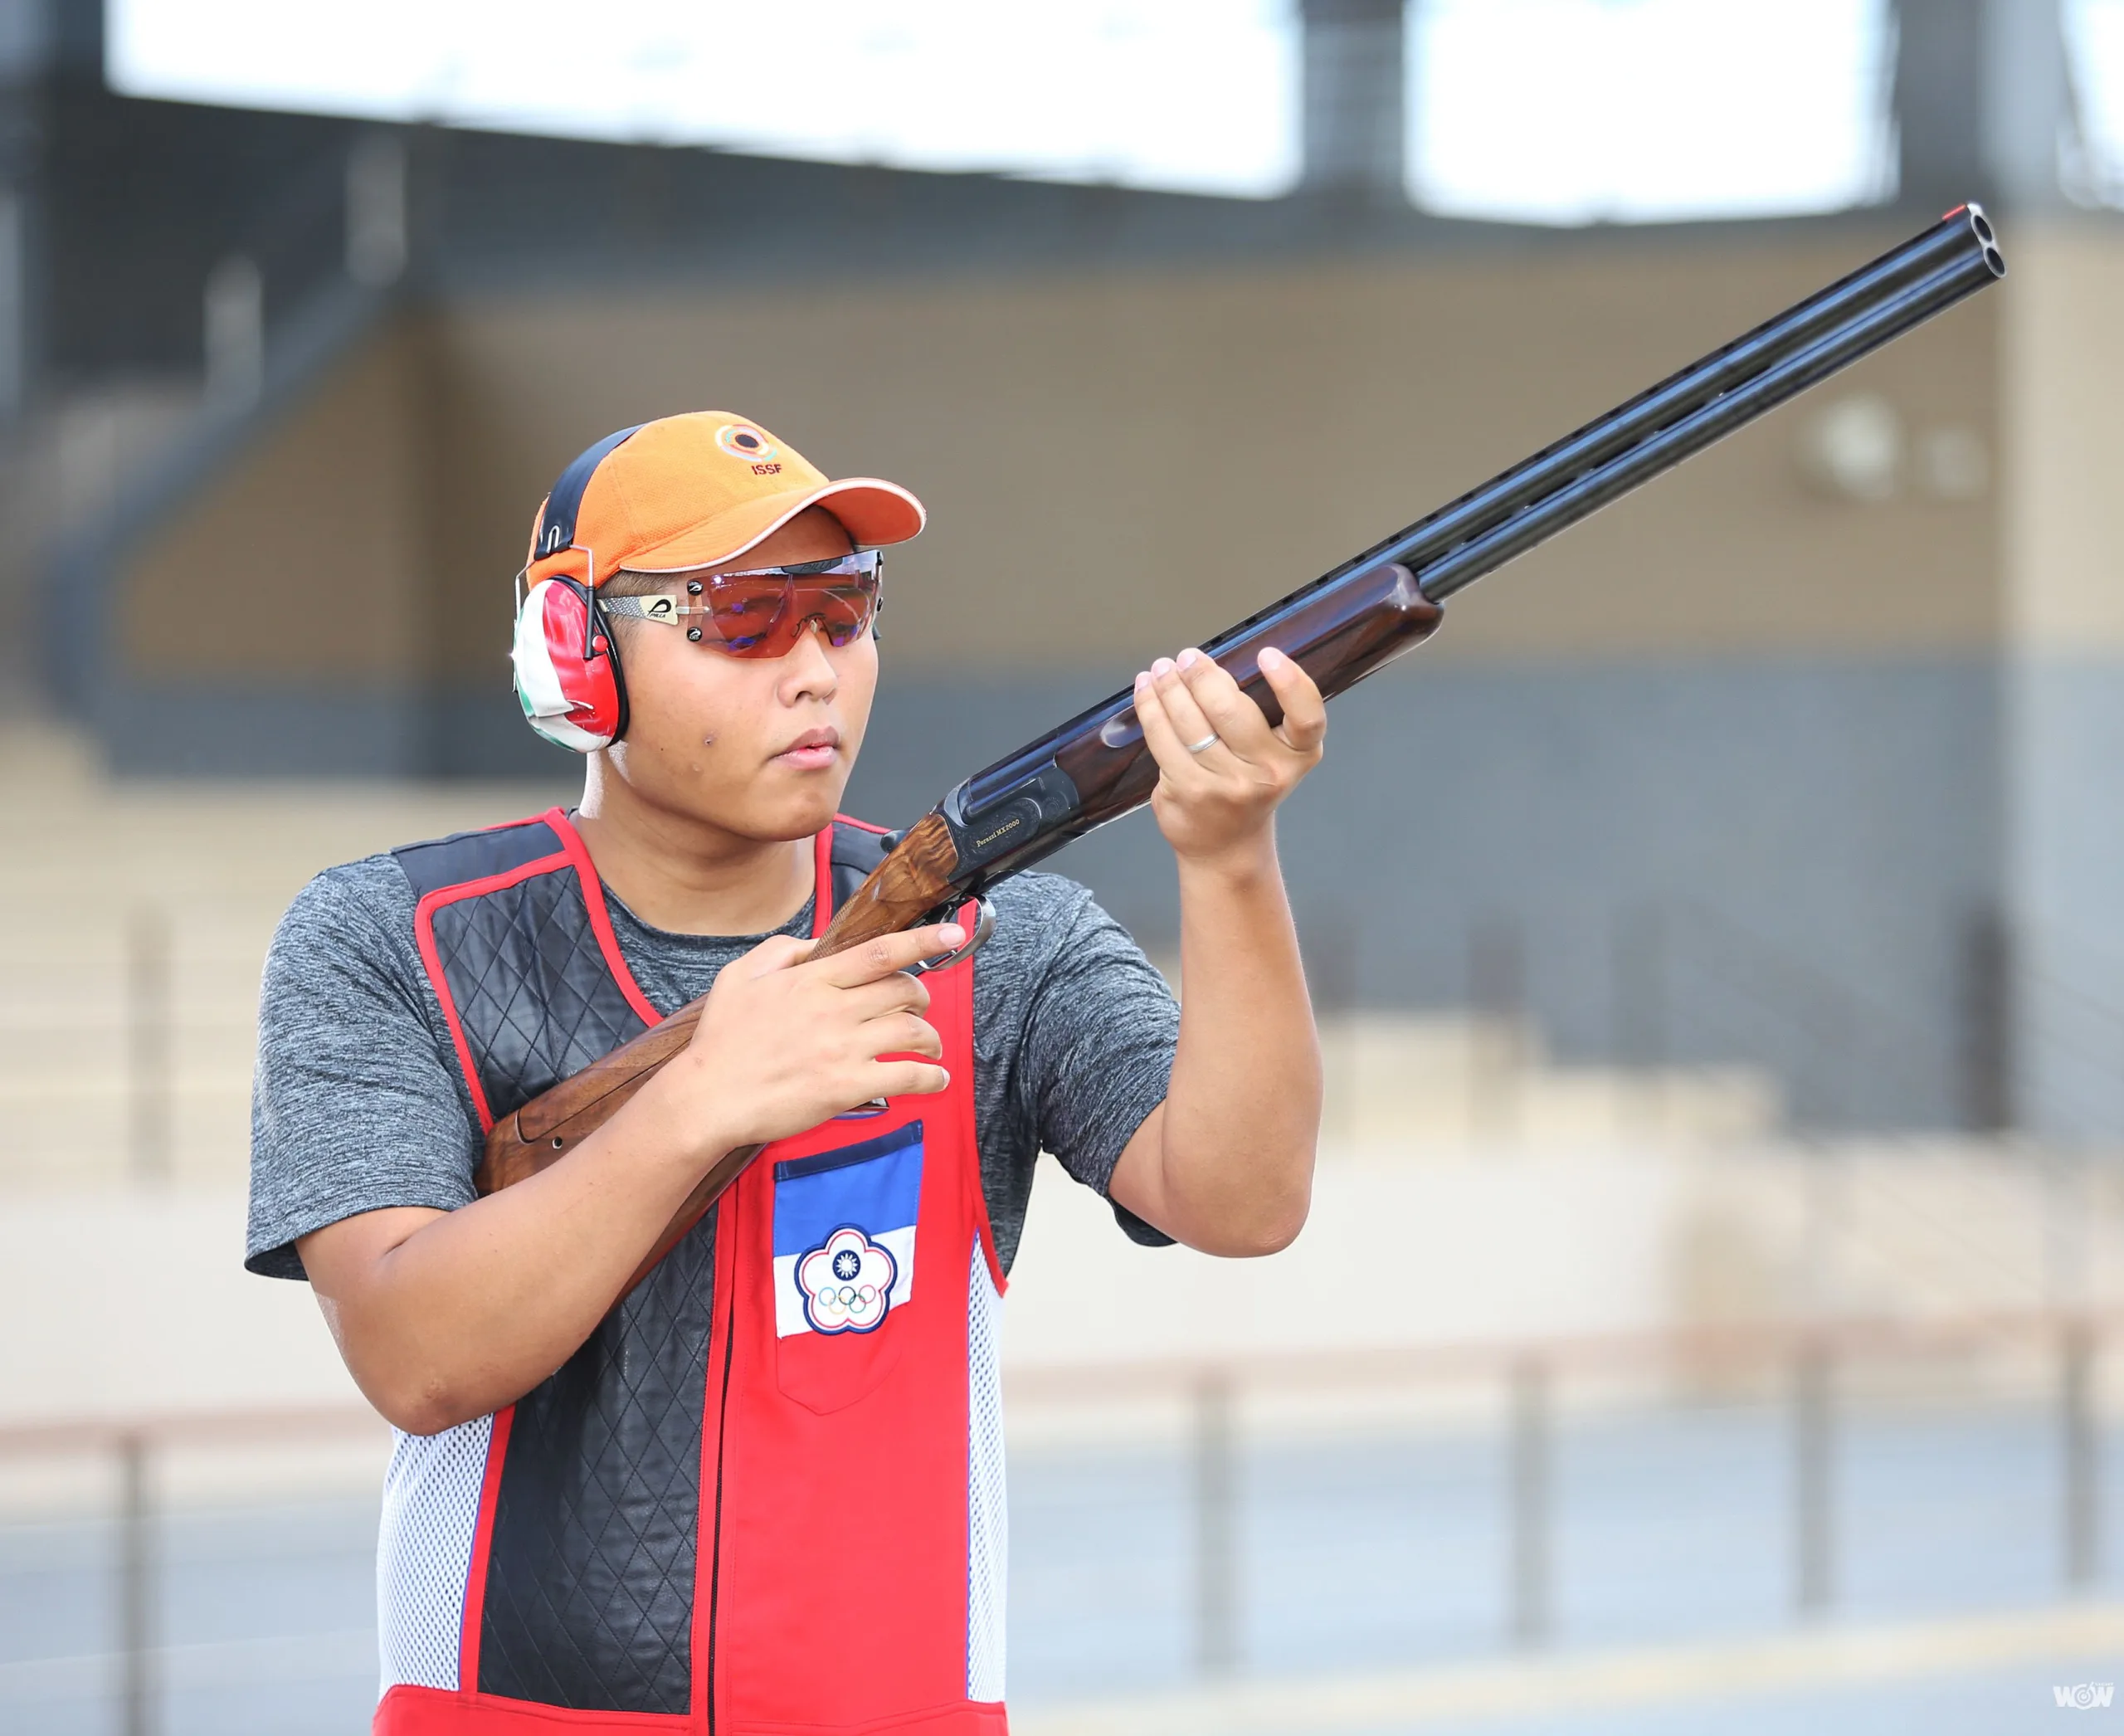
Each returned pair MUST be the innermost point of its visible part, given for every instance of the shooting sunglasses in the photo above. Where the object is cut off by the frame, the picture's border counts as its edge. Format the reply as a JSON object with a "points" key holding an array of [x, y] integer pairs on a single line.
{"points": [[763, 613]]}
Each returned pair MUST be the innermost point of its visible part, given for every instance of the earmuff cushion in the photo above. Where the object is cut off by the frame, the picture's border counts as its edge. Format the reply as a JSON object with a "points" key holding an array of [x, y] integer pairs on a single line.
{"points": [[570, 686]]}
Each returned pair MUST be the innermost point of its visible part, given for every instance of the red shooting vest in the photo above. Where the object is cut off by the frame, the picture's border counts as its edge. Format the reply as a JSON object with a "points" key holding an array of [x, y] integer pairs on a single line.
{"points": [[768, 1492]]}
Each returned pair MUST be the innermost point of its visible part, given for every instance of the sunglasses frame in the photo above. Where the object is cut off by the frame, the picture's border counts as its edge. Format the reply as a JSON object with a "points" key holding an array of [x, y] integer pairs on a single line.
{"points": [[863, 563]]}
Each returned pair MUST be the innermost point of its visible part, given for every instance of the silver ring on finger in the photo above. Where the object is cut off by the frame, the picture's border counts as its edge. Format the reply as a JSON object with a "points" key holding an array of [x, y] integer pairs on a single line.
{"points": [[1202, 746]]}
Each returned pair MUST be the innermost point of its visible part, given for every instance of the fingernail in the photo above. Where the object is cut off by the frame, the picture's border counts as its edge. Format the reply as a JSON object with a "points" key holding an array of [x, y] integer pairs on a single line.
{"points": [[950, 934], [1270, 656], [1163, 666], [1189, 659]]}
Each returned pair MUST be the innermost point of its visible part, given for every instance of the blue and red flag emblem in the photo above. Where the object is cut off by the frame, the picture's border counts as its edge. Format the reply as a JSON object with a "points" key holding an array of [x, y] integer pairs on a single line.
{"points": [[844, 1234]]}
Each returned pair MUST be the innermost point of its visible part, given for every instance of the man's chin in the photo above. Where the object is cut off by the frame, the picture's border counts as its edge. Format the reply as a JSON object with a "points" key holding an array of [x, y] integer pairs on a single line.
{"points": [[789, 815]]}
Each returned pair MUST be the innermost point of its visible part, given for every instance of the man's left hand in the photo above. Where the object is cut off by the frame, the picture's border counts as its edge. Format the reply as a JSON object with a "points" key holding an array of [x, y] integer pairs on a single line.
{"points": [[1222, 770]]}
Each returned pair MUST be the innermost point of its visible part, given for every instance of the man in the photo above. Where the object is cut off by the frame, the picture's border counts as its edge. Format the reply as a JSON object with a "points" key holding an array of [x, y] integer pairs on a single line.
{"points": [[762, 1487]]}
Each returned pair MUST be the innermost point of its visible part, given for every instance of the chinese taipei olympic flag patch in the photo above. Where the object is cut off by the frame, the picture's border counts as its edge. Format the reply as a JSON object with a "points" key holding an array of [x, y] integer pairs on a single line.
{"points": [[844, 1235]]}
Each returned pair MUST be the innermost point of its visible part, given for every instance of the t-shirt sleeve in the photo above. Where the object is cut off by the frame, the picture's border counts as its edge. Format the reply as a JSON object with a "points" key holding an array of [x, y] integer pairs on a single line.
{"points": [[1099, 1046], [354, 1105]]}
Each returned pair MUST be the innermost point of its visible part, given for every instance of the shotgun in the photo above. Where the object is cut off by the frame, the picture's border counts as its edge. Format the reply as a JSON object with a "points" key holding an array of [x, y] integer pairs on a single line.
{"points": [[1094, 769]]}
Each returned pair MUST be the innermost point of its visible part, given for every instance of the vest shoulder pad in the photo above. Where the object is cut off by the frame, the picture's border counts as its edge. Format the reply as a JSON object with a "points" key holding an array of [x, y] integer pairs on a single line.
{"points": [[474, 855]]}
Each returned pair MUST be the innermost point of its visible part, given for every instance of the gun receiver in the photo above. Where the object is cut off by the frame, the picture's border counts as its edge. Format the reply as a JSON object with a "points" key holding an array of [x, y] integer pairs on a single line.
{"points": [[1095, 768]]}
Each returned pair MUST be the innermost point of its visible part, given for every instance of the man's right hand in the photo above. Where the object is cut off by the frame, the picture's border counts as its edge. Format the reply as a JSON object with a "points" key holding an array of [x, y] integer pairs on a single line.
{"points": [[784, 1044]]}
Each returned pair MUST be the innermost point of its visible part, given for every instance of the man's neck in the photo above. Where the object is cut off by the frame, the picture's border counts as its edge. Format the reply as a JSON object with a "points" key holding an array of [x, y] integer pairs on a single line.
{"points": [[686, 876]]}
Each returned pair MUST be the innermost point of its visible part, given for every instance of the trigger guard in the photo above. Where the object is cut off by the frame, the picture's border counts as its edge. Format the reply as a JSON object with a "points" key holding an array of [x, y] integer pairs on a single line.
{"points": [[984, 925]]}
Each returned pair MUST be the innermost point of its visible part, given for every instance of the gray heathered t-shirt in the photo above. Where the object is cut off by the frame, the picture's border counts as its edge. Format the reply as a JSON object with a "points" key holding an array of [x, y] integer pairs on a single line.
{"points": [[358, 1103]]}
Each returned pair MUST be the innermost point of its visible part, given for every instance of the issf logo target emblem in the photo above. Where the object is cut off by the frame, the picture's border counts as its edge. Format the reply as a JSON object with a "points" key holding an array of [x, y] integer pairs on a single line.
{"points": [[742, 440]]}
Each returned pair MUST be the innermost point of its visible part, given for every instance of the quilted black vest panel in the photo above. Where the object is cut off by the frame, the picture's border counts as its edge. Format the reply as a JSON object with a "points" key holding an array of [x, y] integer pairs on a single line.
{"points": [[533, 991], [590, 1577]]}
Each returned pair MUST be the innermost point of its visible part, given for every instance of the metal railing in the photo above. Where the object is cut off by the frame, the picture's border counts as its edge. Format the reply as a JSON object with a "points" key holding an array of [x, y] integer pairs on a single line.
{"points": [[132, 1446], [1810, 1357], [1808, 1361]]}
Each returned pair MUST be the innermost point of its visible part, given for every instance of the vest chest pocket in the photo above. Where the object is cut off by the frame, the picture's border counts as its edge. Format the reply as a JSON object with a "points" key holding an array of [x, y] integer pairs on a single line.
{"points": [[844, 1224]]}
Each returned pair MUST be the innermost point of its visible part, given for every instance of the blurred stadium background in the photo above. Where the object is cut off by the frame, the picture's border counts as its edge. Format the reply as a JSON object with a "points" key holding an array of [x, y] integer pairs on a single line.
{"points": [[1707, 1309]]}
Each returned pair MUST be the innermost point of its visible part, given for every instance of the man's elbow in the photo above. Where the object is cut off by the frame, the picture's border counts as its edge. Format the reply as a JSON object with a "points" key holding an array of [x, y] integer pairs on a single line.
{"points": [[1265, 1224], [417, 1417], [1270, 1233], [421, 1406], [1234, 1202]]}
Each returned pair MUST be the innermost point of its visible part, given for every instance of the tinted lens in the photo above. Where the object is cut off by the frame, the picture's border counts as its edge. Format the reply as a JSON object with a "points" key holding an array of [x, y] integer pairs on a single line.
{"points": [[842, 611], [759, 616], [744, 612]]}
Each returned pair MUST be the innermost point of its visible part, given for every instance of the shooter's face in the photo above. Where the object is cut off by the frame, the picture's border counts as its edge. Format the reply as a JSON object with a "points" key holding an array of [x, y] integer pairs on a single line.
{"points": [[761, 746]]}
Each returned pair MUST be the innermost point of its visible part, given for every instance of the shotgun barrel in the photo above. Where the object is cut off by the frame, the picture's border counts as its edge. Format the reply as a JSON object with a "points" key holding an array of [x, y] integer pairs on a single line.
{"points": [[1636, 441], [1349, 622]]}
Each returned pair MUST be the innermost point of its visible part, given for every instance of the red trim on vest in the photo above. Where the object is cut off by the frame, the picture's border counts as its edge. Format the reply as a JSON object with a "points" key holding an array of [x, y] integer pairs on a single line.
{"points": [[976, 1195], [424, 935], [600, 918], [430, 1711], [708, 1523], [821, 882], [483, 1537], [407, 1711]]}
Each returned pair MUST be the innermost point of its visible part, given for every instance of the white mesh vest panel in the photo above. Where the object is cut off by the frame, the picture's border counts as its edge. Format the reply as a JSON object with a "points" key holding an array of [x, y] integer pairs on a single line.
{"points": [[987, 1533], [424, 1551]]}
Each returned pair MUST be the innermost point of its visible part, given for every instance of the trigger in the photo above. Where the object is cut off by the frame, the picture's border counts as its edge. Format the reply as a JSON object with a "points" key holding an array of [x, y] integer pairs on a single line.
{"points": [[984, 925]]}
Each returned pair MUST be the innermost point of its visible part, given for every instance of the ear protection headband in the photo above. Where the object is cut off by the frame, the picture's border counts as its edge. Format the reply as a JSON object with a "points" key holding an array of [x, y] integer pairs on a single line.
{"points": [[567, 662]]}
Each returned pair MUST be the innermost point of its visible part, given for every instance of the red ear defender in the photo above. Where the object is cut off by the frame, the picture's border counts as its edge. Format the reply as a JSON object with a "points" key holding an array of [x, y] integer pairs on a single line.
{"points": [[567, 668]]}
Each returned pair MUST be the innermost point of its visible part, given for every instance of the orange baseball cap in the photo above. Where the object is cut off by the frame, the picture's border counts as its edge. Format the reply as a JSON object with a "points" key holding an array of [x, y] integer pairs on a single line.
{"points": [[693, 491]]}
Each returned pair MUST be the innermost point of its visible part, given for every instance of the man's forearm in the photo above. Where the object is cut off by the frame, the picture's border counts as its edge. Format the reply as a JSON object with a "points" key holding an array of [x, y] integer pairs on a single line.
{"points": [[1226, 1163], [445, 1316]]}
